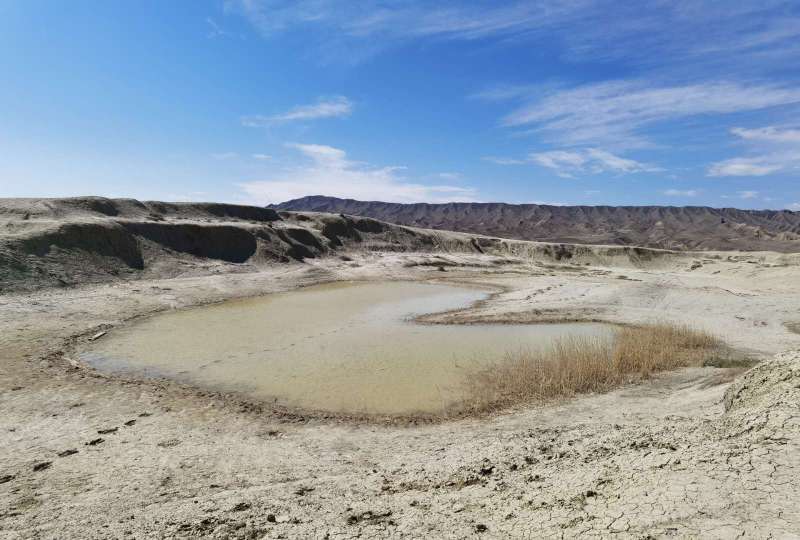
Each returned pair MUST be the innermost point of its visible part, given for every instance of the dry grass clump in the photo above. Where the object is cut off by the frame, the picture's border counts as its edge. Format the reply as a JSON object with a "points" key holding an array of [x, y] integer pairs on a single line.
{"points": [[577, 365]]}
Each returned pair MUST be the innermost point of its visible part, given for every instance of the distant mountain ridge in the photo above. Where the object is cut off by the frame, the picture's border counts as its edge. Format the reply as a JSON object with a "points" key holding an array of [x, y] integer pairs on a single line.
{"points": [[667, 227]]}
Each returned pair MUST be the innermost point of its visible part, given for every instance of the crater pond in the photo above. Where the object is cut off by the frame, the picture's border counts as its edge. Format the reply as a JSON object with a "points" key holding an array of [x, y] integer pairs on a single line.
{"points": [[346, 347]]}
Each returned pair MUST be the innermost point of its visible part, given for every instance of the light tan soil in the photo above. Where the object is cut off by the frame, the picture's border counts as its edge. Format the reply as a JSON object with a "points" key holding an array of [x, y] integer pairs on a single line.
{"points": [[664, 458]]}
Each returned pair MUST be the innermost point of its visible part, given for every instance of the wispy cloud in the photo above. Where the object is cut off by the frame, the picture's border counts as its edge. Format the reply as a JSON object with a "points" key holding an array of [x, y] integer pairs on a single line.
{"points": [[560, 160], [614, 113], [224, 155], [328, 171], [192, 196], [400, 20], [681, 193], [261, 157], [568, 163], [504, 92], [503, 160], [770, 134], [744, 167], [215, 30], [773, 150], [332, 107], [747, 194], [583, 28]]}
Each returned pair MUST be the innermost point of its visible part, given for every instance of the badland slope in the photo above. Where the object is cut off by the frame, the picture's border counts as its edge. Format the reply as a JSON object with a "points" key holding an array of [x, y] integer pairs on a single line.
{"points": [[59, 242], [663, 227]]}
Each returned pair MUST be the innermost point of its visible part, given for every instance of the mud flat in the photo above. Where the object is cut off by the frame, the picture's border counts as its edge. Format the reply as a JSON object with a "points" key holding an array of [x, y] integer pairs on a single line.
{"points": [[701, 452]]}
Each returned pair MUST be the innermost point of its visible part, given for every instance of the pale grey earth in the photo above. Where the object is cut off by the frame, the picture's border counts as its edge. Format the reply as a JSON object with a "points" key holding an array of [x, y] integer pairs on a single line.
{"points": [[703, 452]]}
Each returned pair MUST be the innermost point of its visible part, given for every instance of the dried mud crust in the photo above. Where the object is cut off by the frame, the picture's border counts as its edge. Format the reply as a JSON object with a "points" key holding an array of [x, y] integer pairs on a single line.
{"points": [[660, 459], [179, 469]]}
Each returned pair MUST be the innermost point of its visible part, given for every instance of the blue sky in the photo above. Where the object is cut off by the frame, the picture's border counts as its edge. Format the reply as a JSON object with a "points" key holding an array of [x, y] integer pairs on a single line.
{"points": [[258, 101]]}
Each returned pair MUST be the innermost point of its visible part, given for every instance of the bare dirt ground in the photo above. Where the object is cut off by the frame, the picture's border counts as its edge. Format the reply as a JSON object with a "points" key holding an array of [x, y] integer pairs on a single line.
{"points": [[90, 456]]}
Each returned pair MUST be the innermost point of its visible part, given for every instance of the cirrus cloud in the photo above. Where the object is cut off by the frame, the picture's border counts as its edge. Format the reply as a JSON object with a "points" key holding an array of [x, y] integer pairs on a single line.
{"points": [[567, 163], [334, 107], [774, 150], [615, 112], [681, 193], [698, 31]]}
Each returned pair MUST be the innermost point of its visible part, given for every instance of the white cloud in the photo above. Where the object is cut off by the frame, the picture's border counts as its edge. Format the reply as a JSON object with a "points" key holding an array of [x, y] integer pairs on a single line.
{"points": [[224, 155], [192, 196], [743, 167], [401, 21], [450, 176], [559, 159], [334, 107], [794, 206], [261, 157], [655, 32], [323, 154], [747, 194], [329, 172], [680, 193], [769, 134], [503, 92], [503, 161], [567, 163], [215, 30], [776, 150], [606, 161], [615, 112]]}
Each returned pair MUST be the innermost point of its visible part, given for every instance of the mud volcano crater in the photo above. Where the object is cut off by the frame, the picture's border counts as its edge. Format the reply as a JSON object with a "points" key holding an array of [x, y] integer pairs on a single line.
{"points": [[347, 347]]}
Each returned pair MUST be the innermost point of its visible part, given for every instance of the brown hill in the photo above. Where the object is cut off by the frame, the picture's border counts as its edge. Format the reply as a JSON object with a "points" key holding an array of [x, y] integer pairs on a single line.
{"points": [[666, 227]]}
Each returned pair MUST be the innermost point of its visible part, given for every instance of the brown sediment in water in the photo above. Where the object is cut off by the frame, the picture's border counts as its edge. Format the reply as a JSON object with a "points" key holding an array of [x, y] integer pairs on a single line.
{"points": [[345, 348]]}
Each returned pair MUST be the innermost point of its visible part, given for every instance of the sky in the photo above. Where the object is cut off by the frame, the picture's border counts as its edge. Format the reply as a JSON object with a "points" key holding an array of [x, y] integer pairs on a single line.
{"points": [[667, 102]]}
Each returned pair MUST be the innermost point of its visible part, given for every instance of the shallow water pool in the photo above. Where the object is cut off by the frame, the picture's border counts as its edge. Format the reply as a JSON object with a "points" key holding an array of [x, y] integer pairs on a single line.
{"points": [[346, 347]]}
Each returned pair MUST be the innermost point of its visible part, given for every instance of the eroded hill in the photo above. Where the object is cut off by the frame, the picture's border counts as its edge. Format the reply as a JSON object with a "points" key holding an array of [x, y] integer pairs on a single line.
{"points": [[687, 227], [56, 242]]}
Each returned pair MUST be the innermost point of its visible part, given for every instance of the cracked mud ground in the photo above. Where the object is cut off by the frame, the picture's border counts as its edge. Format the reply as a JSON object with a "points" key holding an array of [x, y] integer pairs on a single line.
{"points": [[688, 454]]}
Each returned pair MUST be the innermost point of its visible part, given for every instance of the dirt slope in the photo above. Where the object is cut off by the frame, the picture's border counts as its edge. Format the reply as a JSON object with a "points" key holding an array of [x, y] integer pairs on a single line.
{"points": [[57, 242], [687, 227]]}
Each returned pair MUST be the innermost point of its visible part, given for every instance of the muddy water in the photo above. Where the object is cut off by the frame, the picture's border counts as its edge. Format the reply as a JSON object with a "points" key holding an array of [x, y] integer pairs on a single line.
{"points": [[344, 347]]}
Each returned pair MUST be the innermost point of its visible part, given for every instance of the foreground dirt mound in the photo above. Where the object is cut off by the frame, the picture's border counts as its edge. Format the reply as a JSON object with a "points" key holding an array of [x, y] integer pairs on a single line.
{"points": [[766, 399], [687, 227], [46, 242]]}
